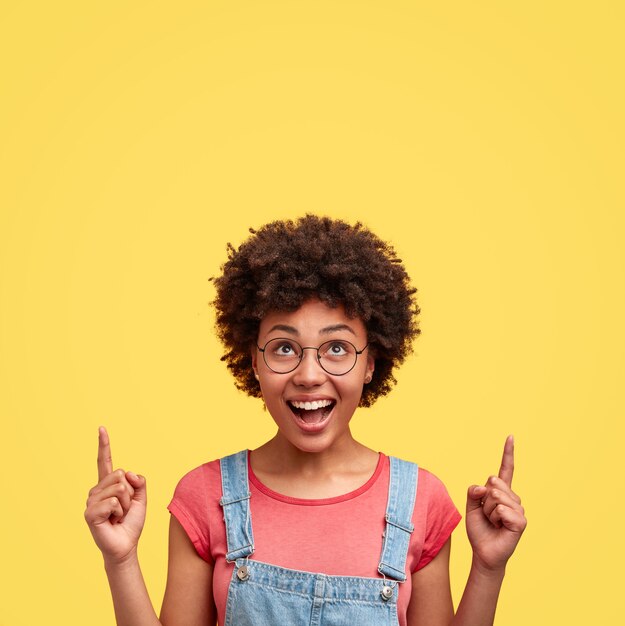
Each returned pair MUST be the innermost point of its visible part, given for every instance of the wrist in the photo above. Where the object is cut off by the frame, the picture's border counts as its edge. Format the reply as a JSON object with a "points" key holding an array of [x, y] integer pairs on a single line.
{"points": [[116, 564], [487, 572]]}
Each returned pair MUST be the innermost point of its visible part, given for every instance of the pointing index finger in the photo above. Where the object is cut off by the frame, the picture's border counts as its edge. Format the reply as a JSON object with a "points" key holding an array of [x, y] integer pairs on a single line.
{"points": [[105, 461], [507, 461]]}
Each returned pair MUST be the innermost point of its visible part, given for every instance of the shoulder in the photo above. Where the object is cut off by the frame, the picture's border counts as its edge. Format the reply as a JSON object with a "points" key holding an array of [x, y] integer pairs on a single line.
{"points": [[205, 480], [430, 483], [199, 480], [197, 492], [195, 504], [434, 517], [427, 483], [433, 509], [433, 498]]}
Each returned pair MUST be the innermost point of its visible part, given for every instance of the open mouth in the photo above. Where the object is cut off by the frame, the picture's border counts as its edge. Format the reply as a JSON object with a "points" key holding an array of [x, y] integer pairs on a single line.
{"points": [[312, 412]]}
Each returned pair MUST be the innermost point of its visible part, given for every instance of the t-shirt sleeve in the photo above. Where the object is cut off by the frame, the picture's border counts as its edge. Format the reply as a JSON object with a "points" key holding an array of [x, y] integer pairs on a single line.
{"points": [[441, 518], [190, 507]]}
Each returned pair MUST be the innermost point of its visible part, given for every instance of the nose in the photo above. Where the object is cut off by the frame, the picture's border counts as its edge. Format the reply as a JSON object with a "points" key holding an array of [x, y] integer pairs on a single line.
{"points": [[309, 373]]}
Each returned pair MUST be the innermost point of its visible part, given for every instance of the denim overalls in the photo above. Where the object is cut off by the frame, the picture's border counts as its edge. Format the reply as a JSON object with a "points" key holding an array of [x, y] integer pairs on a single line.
{"points": [[267, 595]]}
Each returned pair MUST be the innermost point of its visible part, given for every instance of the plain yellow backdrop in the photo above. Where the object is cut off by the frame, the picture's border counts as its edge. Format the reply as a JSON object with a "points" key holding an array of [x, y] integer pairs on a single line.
{"points": [[484, 139]]}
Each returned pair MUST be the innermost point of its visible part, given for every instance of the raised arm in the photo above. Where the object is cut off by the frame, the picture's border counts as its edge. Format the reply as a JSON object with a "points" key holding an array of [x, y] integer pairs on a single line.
{"points": [[115, 514], [495, 521]]}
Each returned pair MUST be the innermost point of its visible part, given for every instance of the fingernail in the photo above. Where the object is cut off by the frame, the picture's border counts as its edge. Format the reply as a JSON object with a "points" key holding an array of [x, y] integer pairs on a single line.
{"points": [[133, 476]]}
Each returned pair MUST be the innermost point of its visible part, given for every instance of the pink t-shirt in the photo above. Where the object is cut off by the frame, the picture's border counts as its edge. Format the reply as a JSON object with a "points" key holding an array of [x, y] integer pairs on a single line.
{"points": [[335, 536]]}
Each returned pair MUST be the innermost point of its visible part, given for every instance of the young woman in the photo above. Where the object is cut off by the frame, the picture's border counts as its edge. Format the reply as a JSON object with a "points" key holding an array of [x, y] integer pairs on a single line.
{"points": [[312, 527]]}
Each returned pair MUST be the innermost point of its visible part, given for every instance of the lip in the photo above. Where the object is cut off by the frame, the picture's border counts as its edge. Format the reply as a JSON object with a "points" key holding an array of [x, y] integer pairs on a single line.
{"points": [[311, 428]]}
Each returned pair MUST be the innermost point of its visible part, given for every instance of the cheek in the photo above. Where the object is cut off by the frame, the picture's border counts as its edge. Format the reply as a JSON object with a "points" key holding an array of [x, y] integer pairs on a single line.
{"points": [[270, 387], [353, 390]]}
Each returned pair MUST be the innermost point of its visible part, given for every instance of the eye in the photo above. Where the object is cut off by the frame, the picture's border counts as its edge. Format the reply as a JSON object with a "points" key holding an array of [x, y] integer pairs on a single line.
{"points": [[282, 348], [336, 350]]}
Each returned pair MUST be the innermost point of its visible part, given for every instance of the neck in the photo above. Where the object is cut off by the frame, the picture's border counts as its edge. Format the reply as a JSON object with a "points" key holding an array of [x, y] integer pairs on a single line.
{"points": [[280, 456]]}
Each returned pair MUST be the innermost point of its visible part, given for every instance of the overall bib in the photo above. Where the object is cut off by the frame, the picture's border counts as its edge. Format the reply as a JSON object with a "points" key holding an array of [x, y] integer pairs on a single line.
{"points": [[261, 594]]}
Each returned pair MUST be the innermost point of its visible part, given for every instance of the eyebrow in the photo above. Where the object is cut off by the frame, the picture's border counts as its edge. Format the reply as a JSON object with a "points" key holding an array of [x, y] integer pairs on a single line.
{"points": [[332, 329], [324, 331]]}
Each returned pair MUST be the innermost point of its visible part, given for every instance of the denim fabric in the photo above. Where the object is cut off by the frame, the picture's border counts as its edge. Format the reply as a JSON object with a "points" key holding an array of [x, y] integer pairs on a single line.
{"points": [[261, 594], [235, 502]]}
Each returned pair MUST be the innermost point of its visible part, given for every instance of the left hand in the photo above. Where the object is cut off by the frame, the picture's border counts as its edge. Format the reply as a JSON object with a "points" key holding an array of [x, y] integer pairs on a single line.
{"points": [[495, 518]]}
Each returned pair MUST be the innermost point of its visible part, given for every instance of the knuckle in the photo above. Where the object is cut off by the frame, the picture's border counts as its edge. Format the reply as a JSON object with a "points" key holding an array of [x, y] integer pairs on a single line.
{"points": [[119, 473]]}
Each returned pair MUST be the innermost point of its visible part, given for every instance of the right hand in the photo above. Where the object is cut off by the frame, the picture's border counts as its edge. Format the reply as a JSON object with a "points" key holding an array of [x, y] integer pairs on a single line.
{"points": [[116, 506]]}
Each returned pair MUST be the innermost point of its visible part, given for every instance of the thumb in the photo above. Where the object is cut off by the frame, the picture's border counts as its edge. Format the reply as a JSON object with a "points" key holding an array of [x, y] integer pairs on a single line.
{"points": [[138, 483], [475, 493]]}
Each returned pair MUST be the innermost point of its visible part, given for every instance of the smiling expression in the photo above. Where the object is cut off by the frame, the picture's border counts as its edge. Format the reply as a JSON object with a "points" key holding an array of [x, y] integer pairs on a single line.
{"points": [[311, 407]]}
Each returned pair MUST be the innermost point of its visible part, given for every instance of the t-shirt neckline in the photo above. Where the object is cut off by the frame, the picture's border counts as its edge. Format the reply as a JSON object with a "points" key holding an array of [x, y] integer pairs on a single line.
{"points": [[254, 480]]}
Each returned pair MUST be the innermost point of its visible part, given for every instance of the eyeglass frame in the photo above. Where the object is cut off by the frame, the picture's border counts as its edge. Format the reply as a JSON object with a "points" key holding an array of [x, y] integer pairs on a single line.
{"points": [[301, 357]]}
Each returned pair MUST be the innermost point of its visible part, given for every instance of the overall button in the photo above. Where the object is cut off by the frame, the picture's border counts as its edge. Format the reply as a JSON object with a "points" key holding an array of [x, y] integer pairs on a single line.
{"points": [[243, 573], [387, 592]]}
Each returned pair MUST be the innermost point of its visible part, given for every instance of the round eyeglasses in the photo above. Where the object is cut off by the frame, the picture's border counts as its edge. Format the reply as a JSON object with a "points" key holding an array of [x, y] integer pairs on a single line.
{"points": [[336, 357]]}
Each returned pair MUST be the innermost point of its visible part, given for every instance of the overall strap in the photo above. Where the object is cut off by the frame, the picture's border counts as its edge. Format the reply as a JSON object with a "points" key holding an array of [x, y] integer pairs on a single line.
{"points": [[402, 492], [235, 502]]}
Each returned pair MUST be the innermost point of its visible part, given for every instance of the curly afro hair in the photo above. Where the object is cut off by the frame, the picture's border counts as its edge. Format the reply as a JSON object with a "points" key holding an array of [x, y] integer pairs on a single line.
{"points": [[285, 263]]}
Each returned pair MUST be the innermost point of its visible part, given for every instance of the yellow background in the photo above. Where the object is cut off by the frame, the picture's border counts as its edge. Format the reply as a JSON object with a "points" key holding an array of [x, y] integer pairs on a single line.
{"points": [[484, 139]]}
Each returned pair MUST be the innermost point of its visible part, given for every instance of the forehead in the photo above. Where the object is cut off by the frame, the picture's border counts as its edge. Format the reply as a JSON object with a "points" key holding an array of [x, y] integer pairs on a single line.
{"points": [[312, 318]]}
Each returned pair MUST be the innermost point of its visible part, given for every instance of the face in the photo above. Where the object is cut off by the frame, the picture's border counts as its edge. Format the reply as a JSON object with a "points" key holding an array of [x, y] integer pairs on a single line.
{"points": [[333, 399]]}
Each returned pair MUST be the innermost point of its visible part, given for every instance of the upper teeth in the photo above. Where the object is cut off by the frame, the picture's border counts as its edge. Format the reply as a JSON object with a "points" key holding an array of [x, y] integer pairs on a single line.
{"points": [[312, 406]]}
